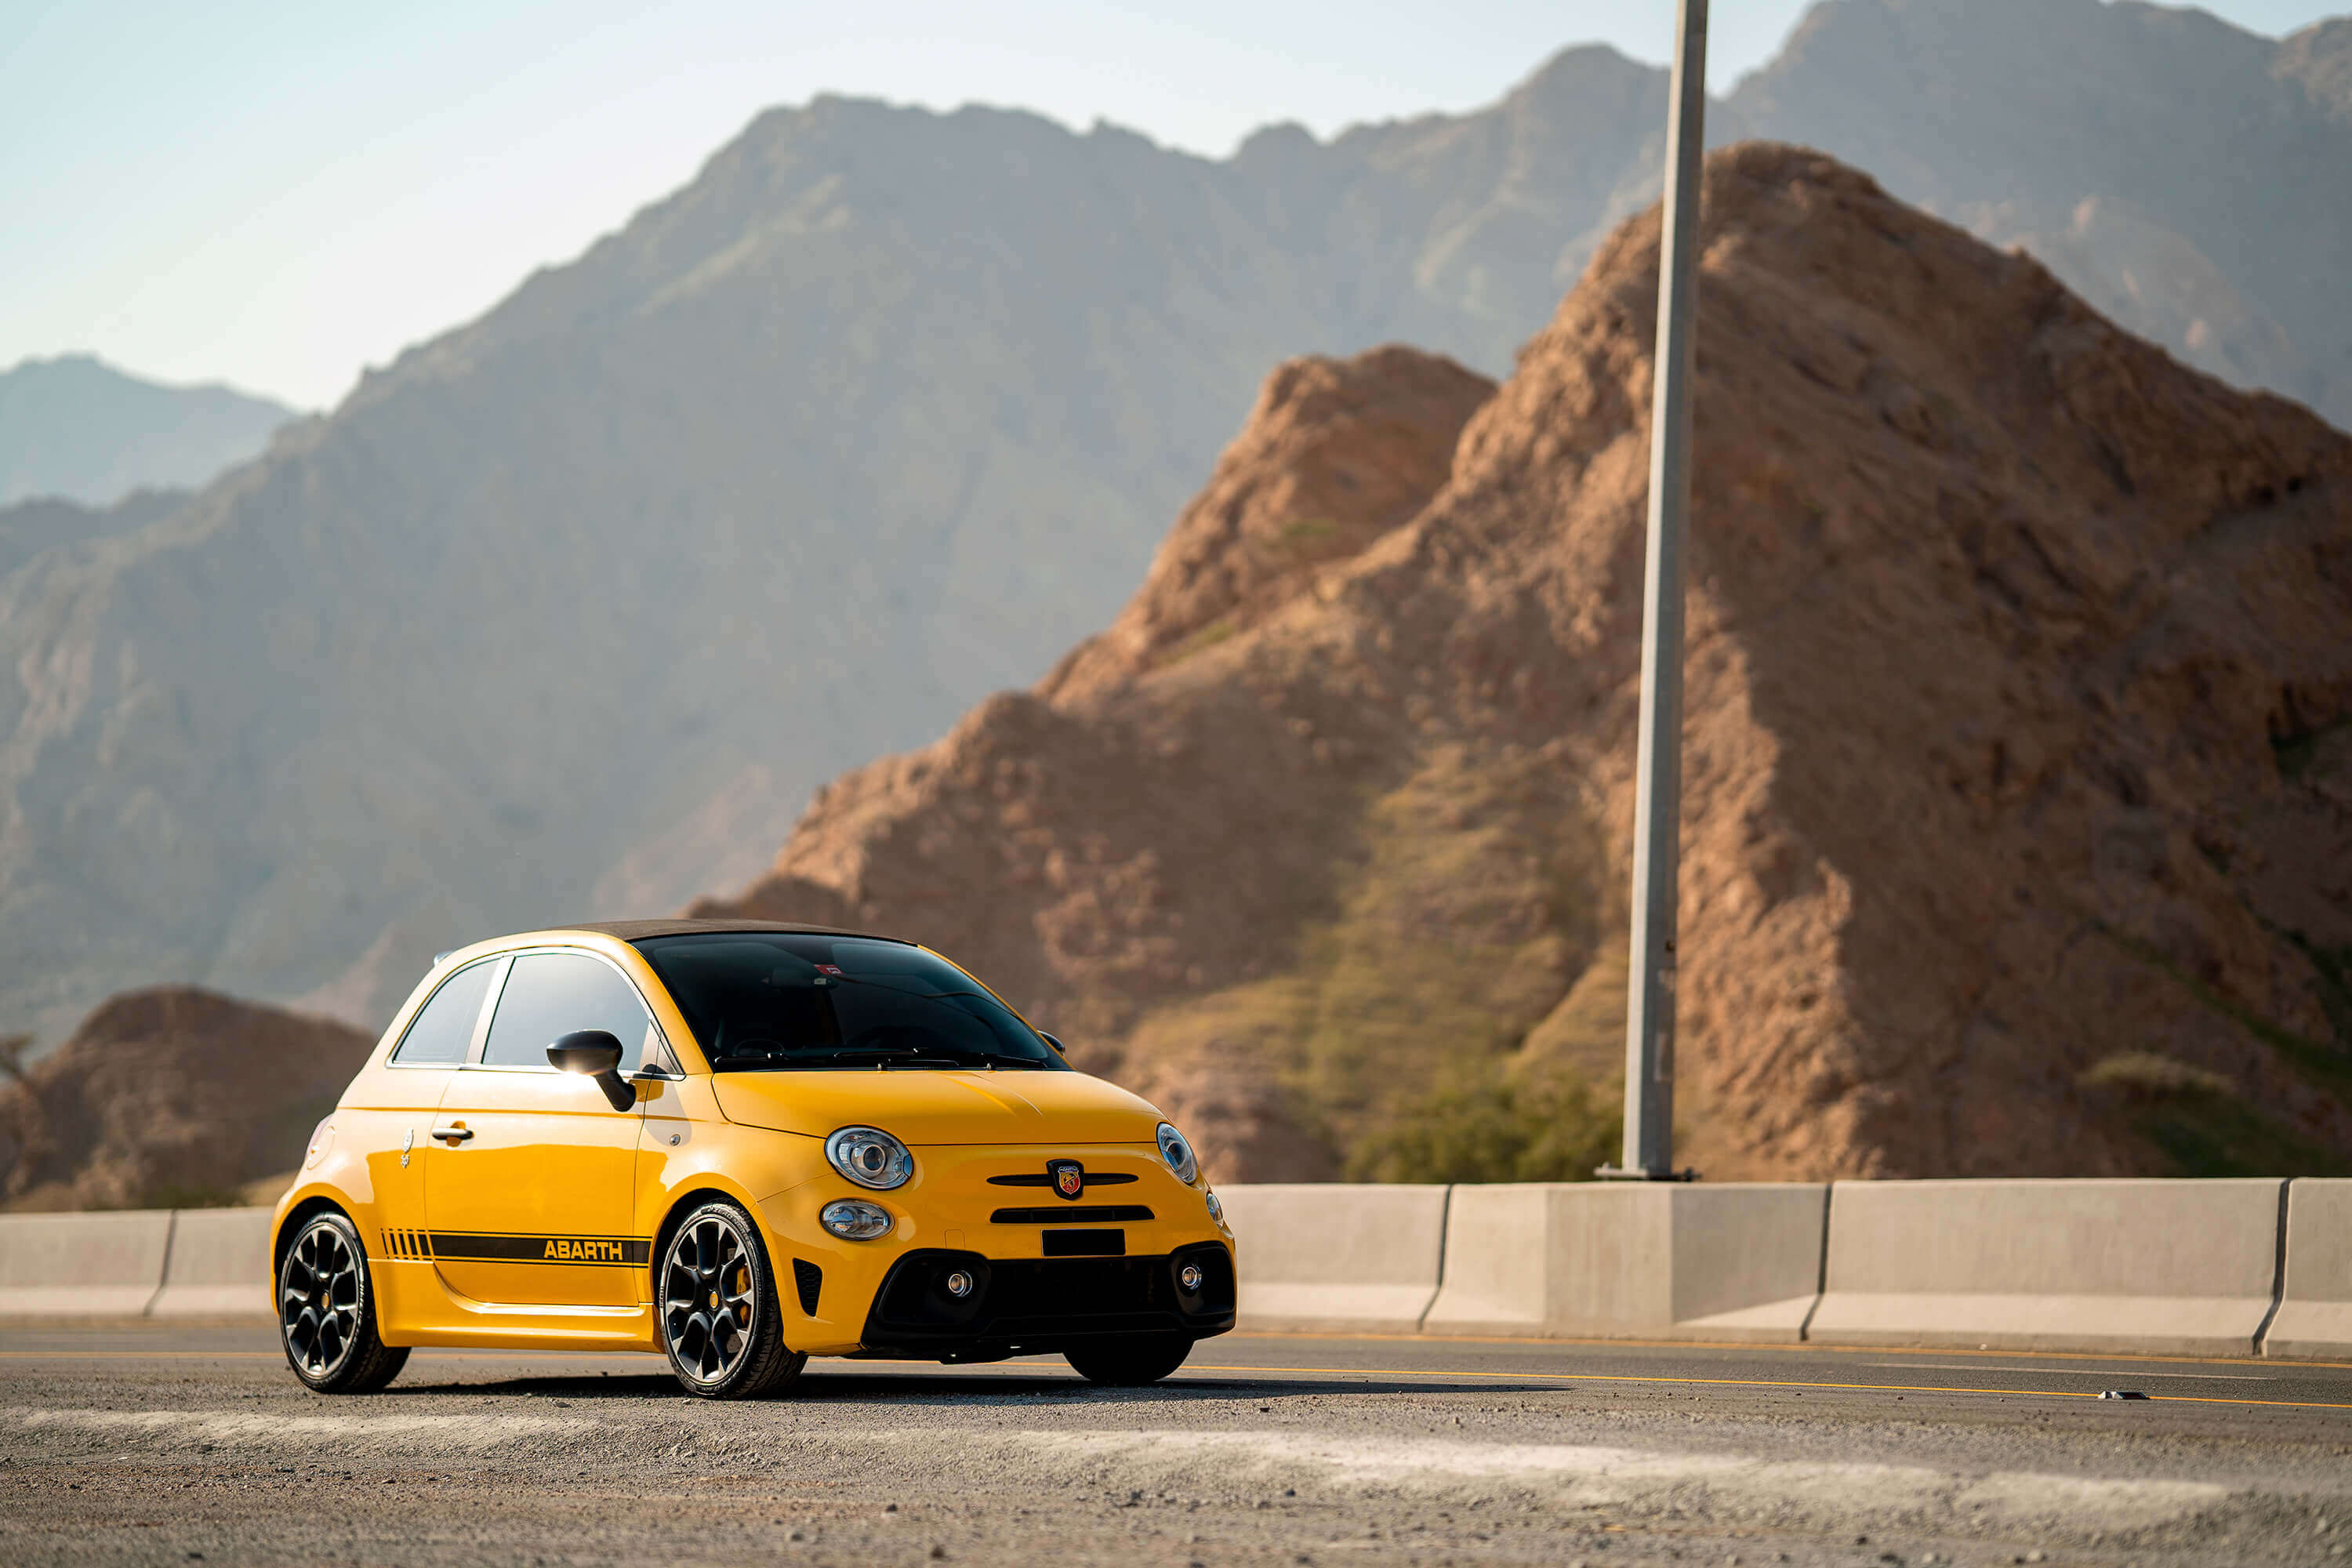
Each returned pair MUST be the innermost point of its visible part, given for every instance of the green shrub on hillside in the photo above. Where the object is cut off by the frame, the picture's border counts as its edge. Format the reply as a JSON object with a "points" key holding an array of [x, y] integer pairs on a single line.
{"points": [[1501, 1130]]}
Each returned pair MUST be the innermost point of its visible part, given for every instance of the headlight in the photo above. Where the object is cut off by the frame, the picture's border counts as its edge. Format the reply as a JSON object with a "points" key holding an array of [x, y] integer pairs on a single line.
{"points": [[322, 1137], [1216, 1209], [870, 1157], [1175, 1151], [855, 1219]]}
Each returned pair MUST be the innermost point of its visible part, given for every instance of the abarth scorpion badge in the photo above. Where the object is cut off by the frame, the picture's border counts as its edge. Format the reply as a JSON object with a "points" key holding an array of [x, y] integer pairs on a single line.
{"points": [[1069, 1177]]}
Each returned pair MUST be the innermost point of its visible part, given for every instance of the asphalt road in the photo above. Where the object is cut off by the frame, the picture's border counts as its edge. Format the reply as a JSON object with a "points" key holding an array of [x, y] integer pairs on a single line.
{"points": [[150, 1444]]}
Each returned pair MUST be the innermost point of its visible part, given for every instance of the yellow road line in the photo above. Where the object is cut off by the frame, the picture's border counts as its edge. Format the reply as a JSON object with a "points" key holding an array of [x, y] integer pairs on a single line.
{"points": [[1314, 1370], [1808, 1347], [1772, 1382], [1752, 1346], [136, 1355], [279, 1355]]}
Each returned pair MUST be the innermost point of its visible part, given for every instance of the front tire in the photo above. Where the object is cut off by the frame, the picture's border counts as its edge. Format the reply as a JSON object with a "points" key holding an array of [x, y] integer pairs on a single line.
{"points": [[1129, 1362], [717, 1298], [326, 1311]]}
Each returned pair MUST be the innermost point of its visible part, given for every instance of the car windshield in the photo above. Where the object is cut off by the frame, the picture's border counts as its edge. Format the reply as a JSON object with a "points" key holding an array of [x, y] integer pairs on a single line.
{"points": [[775, 1001]]}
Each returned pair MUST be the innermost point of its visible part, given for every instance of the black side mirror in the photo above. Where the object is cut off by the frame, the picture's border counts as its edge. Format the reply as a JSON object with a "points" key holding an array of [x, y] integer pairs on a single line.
{"points": [[1055, 1041], [594, 1053]]}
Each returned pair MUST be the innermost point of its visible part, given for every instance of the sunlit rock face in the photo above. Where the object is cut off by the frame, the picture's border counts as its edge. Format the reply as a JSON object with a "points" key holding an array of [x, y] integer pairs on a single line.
{"points": [[2020, 657]]}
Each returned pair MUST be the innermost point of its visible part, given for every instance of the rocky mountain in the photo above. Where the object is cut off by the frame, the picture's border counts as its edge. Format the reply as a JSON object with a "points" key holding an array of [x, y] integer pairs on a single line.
{"points": [[171, 1097], [2018, 822], [567, 611], [76, 429]]}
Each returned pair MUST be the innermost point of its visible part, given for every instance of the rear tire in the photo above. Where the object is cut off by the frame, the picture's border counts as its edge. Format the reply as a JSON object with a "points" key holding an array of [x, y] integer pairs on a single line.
{"points": [[326, 1311], [715, 1295], [1130, 1363]]}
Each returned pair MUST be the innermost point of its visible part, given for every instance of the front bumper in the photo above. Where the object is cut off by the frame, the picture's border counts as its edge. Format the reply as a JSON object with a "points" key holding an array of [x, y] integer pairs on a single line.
{"points": [[992, 1205], [1033, 1306]]}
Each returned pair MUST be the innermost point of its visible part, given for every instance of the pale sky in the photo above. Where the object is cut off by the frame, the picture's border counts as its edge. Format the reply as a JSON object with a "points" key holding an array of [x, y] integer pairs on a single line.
{"points": [[276, 194]]}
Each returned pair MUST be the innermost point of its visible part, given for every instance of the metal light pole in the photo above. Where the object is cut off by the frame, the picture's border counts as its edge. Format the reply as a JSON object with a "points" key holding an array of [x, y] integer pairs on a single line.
{"points": [[1657, 789]]}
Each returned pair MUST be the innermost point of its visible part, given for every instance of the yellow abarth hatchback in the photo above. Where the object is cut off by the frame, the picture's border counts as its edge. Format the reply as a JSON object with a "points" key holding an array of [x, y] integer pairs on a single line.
{"points": [[741, 1143]]}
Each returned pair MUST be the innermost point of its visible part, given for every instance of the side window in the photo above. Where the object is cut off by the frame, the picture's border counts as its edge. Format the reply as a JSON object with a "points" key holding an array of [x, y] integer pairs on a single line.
{"points": [[444, 1027], [549, 995]]}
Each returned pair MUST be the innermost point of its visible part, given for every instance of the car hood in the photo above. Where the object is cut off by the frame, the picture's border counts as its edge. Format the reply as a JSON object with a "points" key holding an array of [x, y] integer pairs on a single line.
{"points": [[919, 1107]]}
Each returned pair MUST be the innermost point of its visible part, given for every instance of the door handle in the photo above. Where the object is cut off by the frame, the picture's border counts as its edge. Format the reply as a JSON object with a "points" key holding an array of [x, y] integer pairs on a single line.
{"points": [[454, 1134]]}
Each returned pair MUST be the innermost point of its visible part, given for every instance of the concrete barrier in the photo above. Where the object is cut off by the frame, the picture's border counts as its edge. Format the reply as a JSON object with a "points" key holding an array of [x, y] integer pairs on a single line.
{"points": [[2191, 1267], [2186, 1267], [1320, 1256], [1736, 1261], [83, 1265], [219, 1266], [2315, 1312]]}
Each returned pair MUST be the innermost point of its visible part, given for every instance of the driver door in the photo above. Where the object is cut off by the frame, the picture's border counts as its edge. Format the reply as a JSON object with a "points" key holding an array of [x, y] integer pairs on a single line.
{"points": [[528, 1181]]}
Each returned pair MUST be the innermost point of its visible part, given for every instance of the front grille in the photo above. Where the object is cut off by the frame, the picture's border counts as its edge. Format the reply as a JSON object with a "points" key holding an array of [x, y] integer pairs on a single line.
{"points": [[1079, 1288], [1069, 1211], [1048, 1301], [1043, 1179]]}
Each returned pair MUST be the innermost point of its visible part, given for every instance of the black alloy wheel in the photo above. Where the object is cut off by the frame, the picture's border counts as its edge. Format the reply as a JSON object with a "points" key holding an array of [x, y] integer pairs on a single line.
{"points": [[716, 1296], [1130, 1361], [326, 1313]]}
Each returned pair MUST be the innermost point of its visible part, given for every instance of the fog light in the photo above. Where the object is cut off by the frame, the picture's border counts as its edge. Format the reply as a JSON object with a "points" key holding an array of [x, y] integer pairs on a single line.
{"points": [[1189, 1277], [855, 1219], [958, 1284]]}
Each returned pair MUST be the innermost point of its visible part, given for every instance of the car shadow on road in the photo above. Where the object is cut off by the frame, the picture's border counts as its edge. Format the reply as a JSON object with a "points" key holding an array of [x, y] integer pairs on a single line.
{"points": [[846, 1386]]}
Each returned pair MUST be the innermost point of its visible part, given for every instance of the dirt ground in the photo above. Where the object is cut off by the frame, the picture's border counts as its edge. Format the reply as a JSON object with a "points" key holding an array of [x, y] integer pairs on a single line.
{"points": [[151, 1444]]}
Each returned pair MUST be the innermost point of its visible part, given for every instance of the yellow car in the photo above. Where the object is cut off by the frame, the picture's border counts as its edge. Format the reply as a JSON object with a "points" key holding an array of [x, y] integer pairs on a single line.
{"points": [[741, 1143]]}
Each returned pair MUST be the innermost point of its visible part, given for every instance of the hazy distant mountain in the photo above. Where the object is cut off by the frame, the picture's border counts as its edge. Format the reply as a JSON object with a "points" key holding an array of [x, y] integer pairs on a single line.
{"points": [[567, 611], [2192, 181], [29, 527], [2319, 60], [77, 428]]}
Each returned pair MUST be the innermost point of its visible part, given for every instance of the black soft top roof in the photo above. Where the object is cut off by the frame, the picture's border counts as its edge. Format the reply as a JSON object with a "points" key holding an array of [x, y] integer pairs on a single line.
{"points": [[633, 931]]}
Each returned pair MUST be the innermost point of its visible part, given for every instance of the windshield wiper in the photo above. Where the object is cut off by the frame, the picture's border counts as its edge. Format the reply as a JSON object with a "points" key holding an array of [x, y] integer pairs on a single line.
{"points": [[887, 1058], [882, 1056], [974, 1060]]}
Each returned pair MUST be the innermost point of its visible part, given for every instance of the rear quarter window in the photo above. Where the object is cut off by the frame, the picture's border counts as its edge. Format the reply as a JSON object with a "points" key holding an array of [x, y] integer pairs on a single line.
{"points": [[443, 1030]]}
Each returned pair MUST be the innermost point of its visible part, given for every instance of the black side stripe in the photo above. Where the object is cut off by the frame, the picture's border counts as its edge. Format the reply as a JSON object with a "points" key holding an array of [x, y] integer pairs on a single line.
{"points": [[591, 1251], [405, 1244]]}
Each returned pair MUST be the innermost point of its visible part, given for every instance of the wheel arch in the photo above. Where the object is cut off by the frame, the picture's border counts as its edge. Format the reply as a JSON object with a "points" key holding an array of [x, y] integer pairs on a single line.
{"points": [[300, 1215], [693, 1197]]}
